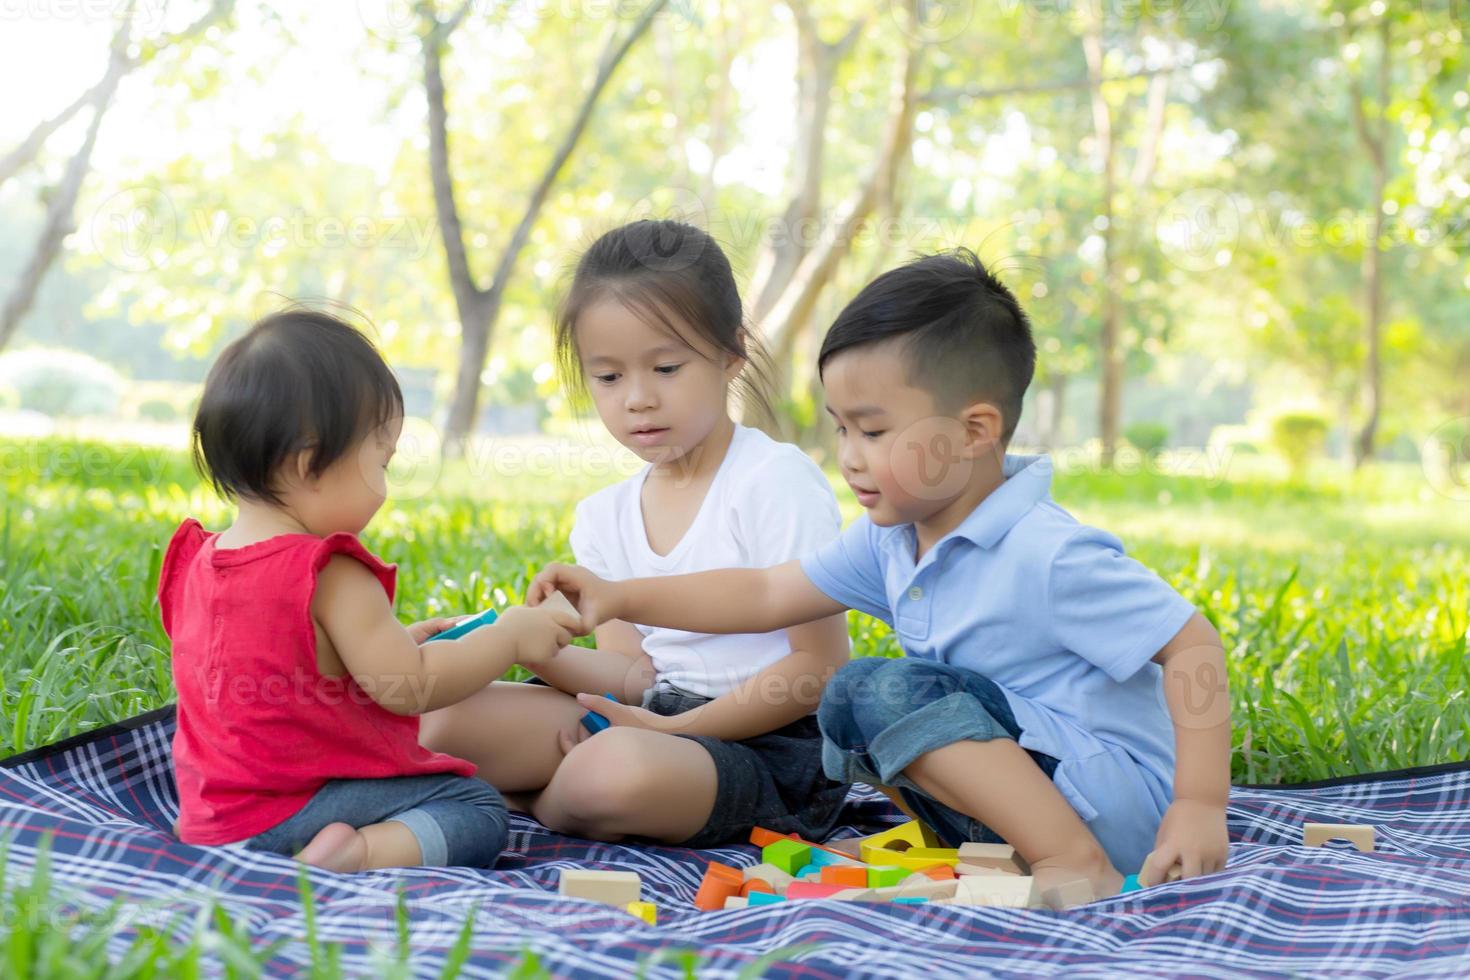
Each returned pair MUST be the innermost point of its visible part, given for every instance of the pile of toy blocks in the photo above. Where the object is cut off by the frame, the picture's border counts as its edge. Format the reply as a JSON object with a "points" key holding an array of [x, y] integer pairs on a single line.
{"points": [[906, 865]]}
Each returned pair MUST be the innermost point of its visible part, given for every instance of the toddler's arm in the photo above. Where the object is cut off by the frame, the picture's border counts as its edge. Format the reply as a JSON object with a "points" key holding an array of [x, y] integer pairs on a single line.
{"points": [[409, 679], [618, 665], [731, 600]]}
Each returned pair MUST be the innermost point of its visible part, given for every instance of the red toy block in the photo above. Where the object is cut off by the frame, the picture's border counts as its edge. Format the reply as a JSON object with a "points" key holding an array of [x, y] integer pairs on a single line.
{"points": [[847, 877], [812, 889]]}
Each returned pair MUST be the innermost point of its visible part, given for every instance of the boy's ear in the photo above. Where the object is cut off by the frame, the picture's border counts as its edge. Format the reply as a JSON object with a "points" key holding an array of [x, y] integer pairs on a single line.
{"points": [[984, 431]]}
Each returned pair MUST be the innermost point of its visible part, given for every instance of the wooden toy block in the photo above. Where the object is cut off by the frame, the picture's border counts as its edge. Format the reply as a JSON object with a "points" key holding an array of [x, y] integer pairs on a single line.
{"points": [[915, 858], [963, 869], [912, 834], [560, 603], [810, 871], [1005, 892], [736, 902], [763, 838], [762, 898], [1002, 857], [646, 911], [852, 847], [1069, 894], [915, 887], [720, 882], [854, 877], [756, 885], [788, 855], [812, 889], [910, 901], [882, 877], [1361, 835], [620, 888], [853, 895], [940, 872], [771, 875], [827, 859]]}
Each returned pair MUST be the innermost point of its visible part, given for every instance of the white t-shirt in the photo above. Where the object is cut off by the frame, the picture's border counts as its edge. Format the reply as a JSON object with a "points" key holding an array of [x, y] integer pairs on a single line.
{"points": [[768, 504]]}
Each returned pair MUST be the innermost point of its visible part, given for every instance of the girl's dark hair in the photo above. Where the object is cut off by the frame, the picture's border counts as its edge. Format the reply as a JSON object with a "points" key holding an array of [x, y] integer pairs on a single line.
{"points": [[298, 379], [667, 272]]}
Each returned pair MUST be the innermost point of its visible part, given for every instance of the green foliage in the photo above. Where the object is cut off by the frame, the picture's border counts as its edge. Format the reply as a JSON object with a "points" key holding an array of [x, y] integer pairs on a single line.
{"points": [[1298, 437], [1147, 437], [60, 382]]}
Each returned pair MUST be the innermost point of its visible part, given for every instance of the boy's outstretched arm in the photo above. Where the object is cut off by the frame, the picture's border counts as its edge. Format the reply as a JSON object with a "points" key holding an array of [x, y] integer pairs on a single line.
{"points": [[1193, 833], [730, 600]]}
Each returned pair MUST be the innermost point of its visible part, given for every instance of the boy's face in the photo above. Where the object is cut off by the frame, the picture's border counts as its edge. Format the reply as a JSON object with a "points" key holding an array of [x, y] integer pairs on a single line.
{"points": [[904, 458]]}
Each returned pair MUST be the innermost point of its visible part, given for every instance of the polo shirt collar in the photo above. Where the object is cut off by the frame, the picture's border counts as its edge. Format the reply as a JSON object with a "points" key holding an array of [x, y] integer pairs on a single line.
{"points": [[1027, 483]]}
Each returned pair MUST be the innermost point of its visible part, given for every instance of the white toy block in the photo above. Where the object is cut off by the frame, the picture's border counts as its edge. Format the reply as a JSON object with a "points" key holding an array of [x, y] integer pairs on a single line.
{"points": [[620, 888]]}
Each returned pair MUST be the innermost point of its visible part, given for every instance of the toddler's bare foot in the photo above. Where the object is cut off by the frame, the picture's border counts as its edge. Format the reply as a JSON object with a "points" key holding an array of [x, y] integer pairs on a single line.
{"points": [[1075, 881], [336, 847]]}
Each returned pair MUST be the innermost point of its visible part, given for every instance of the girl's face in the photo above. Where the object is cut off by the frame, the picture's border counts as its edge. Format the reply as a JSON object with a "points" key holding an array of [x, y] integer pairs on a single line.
{"points": [[658, 394], [350, 491]]}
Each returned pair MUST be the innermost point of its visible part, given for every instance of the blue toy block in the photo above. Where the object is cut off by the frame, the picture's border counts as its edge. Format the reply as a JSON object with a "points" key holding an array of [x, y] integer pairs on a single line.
{"points": [[823, 859], [1130, 884], [594, 722], [764, 898], [455, 632], [809, 869], [909, 901]]}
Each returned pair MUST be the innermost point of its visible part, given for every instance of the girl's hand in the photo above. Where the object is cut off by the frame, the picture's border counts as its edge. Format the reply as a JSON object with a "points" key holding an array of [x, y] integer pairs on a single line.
{"points": [[422, 632], [1192, 836], [596, 599], [539, 633]]}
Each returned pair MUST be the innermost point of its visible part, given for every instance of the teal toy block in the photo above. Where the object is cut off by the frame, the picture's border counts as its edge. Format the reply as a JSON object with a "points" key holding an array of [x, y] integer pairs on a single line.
{"points": [[788, 855], [823, 859], [764, 898], [594, 722], [910, 901], [810, 869], [1130, 884], [468, 626]]}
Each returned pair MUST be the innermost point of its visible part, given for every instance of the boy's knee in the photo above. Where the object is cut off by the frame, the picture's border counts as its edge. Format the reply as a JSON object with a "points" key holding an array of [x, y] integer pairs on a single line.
{"points": [[601, 780], [901, 687], [846, 691]]}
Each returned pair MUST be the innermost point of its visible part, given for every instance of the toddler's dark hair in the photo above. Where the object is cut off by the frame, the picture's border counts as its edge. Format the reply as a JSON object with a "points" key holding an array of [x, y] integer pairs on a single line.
{"points": [[298, 379], [663, 270], [963, 336]]}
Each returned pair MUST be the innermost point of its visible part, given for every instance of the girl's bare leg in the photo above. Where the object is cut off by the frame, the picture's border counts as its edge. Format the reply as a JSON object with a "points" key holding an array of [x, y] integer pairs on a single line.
{"points": [[627, 782], [510, 731]]}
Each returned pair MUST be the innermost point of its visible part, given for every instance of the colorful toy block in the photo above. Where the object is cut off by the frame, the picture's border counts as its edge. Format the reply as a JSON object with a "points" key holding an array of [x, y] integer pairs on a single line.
{"points": [[788, 855], [828, 859], [1130, 884], [756, 885], [812, 889], [901, 838], [856, 877], [940, 872], [915, 858], [620, 888], [1001, 857], [646, 911], [594, 722], [465, 628], [720, 882], [810, 871], [910, 901], [763, 838], [770, 874], [1361, 835], [882, 877], [762, 898], [1005, 892]]}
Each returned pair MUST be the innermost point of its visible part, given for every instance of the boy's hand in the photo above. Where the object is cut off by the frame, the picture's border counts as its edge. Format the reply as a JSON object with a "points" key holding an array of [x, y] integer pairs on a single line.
{"points": [[539, 633], [596, 599], [423, 631], [1193, 836]]}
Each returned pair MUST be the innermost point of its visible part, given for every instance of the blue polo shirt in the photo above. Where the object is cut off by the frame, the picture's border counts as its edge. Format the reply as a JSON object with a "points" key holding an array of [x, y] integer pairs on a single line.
{"points": [[1055, 614]]}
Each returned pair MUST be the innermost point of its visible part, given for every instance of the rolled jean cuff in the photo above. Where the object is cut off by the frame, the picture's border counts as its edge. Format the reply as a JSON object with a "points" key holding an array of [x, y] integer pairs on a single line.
{"points": [[957, 717], [426, 830], [842, 766]]}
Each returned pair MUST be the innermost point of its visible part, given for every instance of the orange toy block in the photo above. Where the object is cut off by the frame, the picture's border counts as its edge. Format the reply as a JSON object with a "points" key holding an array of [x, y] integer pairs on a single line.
{"points": [[756, 885], [940, 872], [847, 877], [763, 838], [720, 882]]}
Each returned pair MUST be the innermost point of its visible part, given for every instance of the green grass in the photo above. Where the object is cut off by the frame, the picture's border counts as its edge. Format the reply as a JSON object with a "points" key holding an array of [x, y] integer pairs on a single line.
{"points": [[1344, 604]]}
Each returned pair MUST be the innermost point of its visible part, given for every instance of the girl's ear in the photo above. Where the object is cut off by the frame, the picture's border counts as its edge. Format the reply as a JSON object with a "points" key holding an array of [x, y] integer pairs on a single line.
{"points": [[299, 466], [984, 431]]}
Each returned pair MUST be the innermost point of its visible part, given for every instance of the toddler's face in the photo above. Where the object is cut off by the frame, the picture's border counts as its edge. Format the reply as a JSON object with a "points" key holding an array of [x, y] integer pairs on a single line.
{"points": [[347, 495], [658, 394], [900, 454]]}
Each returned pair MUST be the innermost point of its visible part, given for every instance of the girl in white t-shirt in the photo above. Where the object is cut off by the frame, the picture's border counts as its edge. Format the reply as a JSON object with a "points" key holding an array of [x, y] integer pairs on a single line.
{"points": [[710, 735]]}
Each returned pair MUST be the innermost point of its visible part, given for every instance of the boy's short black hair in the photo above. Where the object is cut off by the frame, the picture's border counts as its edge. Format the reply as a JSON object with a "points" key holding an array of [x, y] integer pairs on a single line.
{"points": [[299, 379], [964, 336]]}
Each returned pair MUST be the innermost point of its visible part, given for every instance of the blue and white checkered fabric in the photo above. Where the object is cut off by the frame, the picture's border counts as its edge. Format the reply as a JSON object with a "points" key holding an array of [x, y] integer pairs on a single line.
{"points": [[108, 800]]}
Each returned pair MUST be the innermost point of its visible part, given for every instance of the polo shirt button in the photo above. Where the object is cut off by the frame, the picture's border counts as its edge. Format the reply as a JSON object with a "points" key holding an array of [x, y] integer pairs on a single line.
{"points": [[916, 593]]}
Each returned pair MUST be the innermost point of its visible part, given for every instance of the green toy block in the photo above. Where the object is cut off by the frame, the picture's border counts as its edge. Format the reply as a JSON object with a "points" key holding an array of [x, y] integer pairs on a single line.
{"points": [[788, 855], [880, 877]]}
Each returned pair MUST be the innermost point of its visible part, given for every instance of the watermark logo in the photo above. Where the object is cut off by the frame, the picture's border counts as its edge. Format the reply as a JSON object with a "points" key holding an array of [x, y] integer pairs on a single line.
{"points": [[1199, 230], [135, 229]]}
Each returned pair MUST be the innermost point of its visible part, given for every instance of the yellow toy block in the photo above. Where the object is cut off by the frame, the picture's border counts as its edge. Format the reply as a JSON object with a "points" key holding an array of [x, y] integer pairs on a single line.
{"points": [[646, 911], [620, 888], [1360, 834], [915, 858], [900, 838]]}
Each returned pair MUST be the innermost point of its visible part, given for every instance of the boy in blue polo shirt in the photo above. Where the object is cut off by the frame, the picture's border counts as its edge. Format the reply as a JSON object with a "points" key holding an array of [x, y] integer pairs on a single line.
{"points": [[1054, 693]]}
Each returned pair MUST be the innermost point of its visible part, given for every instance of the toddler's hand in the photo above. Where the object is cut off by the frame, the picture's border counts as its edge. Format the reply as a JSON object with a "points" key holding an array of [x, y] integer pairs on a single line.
{"points": [[595, 598], [422, 631], [1193, 836], [539, 633]]}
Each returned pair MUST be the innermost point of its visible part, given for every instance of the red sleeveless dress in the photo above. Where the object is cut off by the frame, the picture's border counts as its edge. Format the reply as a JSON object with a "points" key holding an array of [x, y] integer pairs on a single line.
{"points": [[260, 728]]}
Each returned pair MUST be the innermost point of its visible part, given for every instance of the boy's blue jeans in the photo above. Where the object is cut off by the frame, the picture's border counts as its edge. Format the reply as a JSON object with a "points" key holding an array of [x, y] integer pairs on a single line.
{"points": [[457, 820], [878, 715]]}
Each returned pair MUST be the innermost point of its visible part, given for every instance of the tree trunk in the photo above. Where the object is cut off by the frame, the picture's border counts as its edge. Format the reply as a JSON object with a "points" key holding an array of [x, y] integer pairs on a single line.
{"points": [[1376, 144], [478, 307], [1110, 361], [1056, 404]]}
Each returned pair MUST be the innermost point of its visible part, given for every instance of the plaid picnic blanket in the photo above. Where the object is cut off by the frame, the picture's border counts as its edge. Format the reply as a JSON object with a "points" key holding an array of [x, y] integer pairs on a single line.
{"points": [[108, 798]]}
